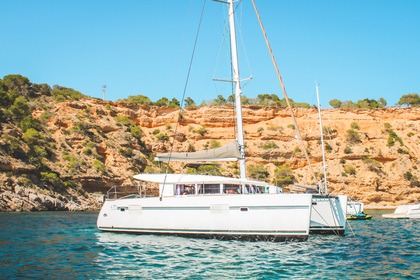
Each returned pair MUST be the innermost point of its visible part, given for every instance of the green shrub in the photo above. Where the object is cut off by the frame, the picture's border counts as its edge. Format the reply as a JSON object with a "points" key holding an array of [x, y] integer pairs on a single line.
{"points": [[190, 148], [268, 145], [392, 138], [402, 151], [202, 130], [31, 136], [206, 169], [25, 181], [123, 121], [13, 147], [19, 109], [88, 151], [29, 122], [73, 162], [354, 125], [191, 170], [163, 137], [99, 165], [45, 116], [348, 150], [328, 130], [62, 94], [408, 175], [139, 99], [373, 165], [411, 99], [275, 128], [387, 126], [214, 144], [283, 175], [136, 131], [291, 126], [209, 169], [127, 152], [257, 171], [190, 103], [81, 128], [351, 170], [414, 181], [39, 152], [353, 136], [328, 148], [51, 178]]}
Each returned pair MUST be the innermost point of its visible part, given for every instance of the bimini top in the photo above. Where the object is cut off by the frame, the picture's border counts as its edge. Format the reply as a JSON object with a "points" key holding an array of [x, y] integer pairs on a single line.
{"points": [[196, 179]]}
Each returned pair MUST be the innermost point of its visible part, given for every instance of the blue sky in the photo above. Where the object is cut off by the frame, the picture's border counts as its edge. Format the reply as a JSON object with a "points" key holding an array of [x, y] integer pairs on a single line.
{"points": [[355, 49]]}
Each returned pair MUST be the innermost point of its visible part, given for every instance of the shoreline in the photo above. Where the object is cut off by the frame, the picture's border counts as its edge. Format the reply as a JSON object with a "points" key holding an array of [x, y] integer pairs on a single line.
{"points": [[374, 207]]}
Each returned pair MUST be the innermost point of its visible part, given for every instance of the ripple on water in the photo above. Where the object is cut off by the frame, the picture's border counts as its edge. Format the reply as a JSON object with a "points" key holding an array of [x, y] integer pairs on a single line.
{"points": [[50, 245]]}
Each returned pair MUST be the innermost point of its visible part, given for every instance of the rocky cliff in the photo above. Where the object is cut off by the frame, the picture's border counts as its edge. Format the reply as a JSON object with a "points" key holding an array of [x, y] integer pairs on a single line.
{"points": [[87, 146]]}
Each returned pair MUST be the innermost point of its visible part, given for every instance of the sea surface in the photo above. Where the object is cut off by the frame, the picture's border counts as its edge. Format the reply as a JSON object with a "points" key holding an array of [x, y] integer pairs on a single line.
{"points": [[67, 245]]}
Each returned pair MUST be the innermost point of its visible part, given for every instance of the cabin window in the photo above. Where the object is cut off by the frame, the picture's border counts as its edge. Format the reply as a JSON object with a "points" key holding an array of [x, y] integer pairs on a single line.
{"points": [[251, 189], [184, 189], [189, 189], [179, 189], [209, 188], [260, 189], [248, 189], [231, 189]]}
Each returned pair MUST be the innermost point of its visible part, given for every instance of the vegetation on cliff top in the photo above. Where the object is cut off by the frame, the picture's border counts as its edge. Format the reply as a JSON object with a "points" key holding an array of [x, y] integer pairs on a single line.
{"points": [[272, 100]]}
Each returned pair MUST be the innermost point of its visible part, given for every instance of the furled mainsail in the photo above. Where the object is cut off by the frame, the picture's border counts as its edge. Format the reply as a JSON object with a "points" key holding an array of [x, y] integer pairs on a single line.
{"points": [[229, 152]]}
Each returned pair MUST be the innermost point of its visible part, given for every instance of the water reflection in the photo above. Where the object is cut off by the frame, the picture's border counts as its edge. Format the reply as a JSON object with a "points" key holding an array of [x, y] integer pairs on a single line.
{"points": [[380, 248], [68, 245]]}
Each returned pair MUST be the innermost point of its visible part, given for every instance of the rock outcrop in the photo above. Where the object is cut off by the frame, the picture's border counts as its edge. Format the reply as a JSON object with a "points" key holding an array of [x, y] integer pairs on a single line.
{"points": [[91, 145]]}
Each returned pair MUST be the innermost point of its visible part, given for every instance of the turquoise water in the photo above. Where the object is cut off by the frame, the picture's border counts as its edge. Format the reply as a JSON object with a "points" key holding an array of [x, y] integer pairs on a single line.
{"points": [[67, 245]]}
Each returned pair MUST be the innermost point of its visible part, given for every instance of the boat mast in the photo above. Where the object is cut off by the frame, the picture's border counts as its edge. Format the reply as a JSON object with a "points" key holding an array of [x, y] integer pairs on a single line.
{"points": [[322, 190], [238, 90]]}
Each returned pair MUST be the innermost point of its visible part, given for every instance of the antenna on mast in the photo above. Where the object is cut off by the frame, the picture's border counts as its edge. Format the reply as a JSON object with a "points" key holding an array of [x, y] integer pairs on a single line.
{"points": [[103, 92], [323, 190]]}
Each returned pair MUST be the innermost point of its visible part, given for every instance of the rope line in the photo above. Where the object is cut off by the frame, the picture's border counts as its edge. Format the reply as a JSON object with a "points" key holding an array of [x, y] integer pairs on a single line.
{"points": [[183, 97], [298, 134]]}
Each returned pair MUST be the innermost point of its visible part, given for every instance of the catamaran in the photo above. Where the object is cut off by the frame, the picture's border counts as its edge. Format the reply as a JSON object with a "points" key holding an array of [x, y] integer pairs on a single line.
{"points": [[329, 212], [212, 206]]}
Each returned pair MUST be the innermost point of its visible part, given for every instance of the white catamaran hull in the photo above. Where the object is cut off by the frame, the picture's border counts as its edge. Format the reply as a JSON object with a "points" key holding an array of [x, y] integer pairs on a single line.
{"points": [[328, 214], [406, 211], [274, 217], [354, 207]]}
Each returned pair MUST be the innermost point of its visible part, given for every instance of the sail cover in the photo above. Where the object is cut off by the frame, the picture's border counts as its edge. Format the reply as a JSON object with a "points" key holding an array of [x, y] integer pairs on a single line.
{"points": [[229, 152]]}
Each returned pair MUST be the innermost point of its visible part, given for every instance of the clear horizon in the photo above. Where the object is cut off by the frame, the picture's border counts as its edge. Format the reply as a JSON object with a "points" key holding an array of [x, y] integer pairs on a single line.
{"points": [[354, 49]]}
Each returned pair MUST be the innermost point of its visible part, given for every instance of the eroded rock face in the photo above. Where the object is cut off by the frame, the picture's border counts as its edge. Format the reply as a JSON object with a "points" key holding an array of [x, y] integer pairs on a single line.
{"points": [[27, 199], [372, 155]]}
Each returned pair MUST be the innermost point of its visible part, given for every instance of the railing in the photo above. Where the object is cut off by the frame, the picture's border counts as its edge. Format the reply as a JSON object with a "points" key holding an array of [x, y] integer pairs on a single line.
{"points": [[112, 193]]}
